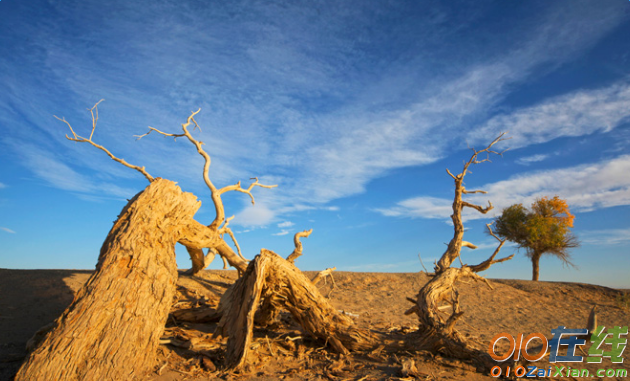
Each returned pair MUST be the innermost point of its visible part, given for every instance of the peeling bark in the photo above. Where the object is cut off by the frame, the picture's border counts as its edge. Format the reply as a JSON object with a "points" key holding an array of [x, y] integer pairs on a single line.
{"points": [[112, 328], [269, 273]]}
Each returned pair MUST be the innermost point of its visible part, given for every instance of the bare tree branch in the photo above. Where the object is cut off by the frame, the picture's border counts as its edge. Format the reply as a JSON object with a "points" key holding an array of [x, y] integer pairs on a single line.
{"points": [[478, 277], [81, 139], [323, 274], [471, 192], [478, 208], [490, 261], [455, 245], [298, 245], [237, 187], [487, 150], [151, 129], [468, 245], [227, 230], [214, 191]]}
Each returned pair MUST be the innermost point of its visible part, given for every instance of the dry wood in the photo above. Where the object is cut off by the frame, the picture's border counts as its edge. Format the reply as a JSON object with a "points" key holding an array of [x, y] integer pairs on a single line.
{"points": [[298, 245], [220, 223], [214, 191], [197, 315], [323, 274], [455, 245], [268, 272], [112, 328], [436, 333], [81, 139]]}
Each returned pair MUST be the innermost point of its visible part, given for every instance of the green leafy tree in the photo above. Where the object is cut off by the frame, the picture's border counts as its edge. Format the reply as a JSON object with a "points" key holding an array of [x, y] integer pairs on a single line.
{"points": [[544, 229]]}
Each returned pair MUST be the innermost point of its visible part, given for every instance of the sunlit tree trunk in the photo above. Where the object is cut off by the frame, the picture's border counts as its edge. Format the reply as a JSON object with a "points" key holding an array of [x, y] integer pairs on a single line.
{"points": [[535, 266], [436, 333], [112, 328]]}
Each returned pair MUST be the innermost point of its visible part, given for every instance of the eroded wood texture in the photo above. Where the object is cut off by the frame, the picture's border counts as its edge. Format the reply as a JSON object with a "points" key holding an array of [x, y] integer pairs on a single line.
{"points": [[112, 328], [271, 278]]}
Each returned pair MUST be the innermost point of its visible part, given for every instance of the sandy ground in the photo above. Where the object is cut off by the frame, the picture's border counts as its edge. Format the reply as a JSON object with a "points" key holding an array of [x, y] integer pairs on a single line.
{"points": [[30, 299]]}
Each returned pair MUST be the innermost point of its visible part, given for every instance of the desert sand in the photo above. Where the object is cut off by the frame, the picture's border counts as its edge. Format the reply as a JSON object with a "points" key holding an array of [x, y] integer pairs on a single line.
{"points": [[30, 299]]}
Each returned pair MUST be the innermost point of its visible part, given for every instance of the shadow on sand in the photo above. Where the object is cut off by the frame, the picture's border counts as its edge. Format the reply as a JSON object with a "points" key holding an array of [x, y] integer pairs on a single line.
{"points": [[30, 299]]}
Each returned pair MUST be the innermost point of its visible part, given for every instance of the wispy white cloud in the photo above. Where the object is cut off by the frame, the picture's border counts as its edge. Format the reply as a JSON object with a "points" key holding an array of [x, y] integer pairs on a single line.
{"points": [[50, 168], [54, 171], [285, 224], [425, 207], [527, 160], [579, 113], [585, 187], [2, 186], [255, 215], [7, 230], [606, 237], [312, 107], [282, 232]]}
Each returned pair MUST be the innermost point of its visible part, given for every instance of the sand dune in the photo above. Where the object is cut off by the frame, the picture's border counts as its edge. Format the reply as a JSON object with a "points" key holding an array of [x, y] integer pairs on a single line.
{"points": [[29, 299]]}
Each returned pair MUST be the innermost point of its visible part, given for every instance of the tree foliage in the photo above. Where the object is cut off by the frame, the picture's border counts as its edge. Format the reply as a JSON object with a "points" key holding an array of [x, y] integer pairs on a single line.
{"points": [[543, 229]]}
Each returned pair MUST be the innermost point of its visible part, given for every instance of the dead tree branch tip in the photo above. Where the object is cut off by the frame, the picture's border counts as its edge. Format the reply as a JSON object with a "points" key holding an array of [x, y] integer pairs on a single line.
{"points": [[80, 139], [298, 245]]}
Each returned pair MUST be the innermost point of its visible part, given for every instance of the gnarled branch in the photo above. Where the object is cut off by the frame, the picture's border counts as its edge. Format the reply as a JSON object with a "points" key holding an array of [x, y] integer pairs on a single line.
{"points": [[478, 208], [323, 274], [237, 187], [491, 261], [227, 230], [214, 191], [465, 191], [298, 245], [81, 139], [469, 245], [456, 243]]}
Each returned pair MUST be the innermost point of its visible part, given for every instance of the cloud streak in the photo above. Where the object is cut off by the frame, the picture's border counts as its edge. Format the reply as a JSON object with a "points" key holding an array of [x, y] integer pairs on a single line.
{"points": [[316, 109], [527, 160], [606, 237], [585, 187], [576, 114], [50, 168]]}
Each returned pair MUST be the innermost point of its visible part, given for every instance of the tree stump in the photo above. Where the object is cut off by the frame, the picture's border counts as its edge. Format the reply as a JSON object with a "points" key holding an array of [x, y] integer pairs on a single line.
{"points": [[284, 286]]}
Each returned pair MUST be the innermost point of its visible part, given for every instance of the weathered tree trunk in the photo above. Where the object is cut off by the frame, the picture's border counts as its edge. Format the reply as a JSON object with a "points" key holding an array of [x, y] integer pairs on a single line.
{"points": [[112, 328], [269, 274], [437, 334]]}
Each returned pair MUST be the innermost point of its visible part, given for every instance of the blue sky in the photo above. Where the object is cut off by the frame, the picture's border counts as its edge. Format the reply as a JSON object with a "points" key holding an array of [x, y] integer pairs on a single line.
{"points": [[354, 108]]}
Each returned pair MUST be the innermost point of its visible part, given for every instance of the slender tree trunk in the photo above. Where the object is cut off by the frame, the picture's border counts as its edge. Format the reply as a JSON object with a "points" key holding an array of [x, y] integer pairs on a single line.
{"points": [[535, 266], [112, 328]]}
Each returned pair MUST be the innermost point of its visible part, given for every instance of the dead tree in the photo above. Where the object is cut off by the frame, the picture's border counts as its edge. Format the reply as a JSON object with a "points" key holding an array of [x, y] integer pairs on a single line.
{"points": [[284, 286], [112, 328], [220, 223], [436, 333]]}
